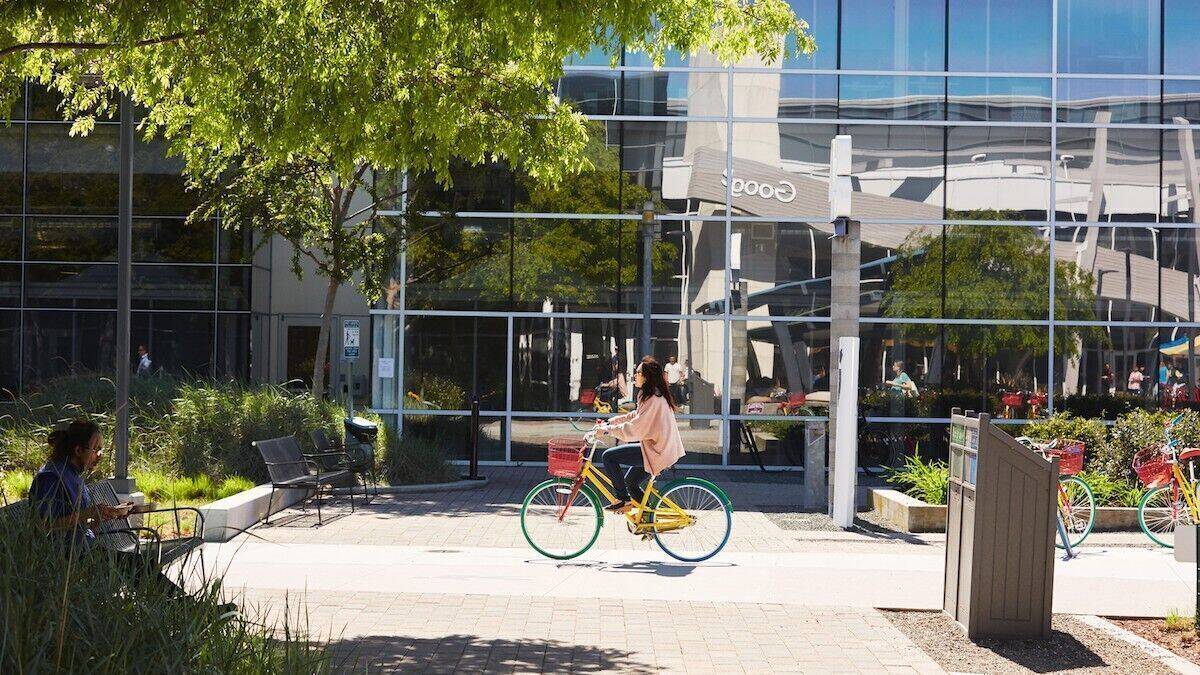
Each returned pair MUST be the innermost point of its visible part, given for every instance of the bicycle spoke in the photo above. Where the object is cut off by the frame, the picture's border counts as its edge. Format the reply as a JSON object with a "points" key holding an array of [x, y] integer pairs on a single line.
{"points": [[692, 522], [558, 521]]}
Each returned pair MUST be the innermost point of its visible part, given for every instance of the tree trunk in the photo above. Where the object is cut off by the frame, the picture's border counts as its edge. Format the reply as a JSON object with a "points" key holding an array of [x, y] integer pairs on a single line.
{"points": [[318, 378]]}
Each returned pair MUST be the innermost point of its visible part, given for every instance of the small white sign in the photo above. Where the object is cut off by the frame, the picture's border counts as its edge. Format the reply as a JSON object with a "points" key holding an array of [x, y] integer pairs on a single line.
{"points": [[350, 329], [386, 368]]}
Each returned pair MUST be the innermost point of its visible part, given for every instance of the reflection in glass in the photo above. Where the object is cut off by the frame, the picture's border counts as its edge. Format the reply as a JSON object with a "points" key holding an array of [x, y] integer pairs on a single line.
{"points": [[10, 285], [1180, 175], [1118, 368], [71, 239], [689, 267], [779, 368], [899, 369], [1000, 36], [158, 183], [234, 245], [459, 263], [983, 363], [822, 19], [1107, 175], [997, 173], [999, 99], [233, 347], [701, 439], [1108, 101], [179, 344], [789, 95], [487, 187], [571, 265], [57, 343], [1181, 102], [673, 93], [447, 359], [10, 237], [10, 353], [597, 189], [68, 176], [453, 434], [891, 98], [12, 154], [884, 247], [233, 288], [884, 443], [71, 286], [897, 172], [782, 269], [173, 287], [592, 92], [1101, 36], [677, 164], [1181, 37], [172, 240], [889, 35], [779, 170], [774, 442]]}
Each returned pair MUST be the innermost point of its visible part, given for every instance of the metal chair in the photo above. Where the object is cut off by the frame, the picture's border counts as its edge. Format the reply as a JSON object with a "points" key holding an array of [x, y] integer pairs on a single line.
{"points": [[290, 469], [358, 458], [122, 535]]}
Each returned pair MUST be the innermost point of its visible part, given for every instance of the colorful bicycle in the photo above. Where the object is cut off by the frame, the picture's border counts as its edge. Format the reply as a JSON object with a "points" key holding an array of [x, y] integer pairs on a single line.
{"points": [[689, 518], [1076, 503], [1171, 499]]}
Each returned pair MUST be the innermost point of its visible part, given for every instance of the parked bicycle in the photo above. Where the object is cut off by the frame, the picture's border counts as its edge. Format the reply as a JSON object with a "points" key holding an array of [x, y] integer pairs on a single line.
{"points": [[689, 518], [1076, 502], [1171, 499]]}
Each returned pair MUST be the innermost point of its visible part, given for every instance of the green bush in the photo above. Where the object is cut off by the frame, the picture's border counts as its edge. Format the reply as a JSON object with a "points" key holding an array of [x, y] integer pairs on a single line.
{"points": [[15, 485], [927, 481], [439, 392], [1140, 429], [1092, 432], [96, 622], [1107, 490], [413, 459]]}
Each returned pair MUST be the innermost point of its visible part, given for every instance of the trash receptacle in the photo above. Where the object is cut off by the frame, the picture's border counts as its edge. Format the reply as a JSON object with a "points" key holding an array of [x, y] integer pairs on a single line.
{"points": [[999, 574], [360, 441]]}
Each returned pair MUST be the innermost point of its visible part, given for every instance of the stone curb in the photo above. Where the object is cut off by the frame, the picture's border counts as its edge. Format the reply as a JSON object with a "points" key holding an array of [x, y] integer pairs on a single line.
{"points": [[424, 487], [1167, 657]]}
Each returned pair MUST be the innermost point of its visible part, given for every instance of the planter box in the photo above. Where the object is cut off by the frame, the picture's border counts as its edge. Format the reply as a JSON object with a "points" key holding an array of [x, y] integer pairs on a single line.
{"points": [[908, 514], [1116, 519]]}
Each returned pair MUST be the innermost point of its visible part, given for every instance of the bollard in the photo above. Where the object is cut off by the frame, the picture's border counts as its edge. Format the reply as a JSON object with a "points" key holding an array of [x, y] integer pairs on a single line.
{"points": [[473, 440]]}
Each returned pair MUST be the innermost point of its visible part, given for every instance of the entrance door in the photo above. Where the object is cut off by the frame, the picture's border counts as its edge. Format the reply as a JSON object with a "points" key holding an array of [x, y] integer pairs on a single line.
{"points": [[299, 352]]}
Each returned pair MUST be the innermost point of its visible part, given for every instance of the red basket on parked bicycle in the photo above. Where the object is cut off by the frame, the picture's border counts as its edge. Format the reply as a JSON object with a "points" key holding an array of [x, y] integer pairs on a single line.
{"points": [[1152, 466], [564, 457], [1012, 399], [1070, 456]]}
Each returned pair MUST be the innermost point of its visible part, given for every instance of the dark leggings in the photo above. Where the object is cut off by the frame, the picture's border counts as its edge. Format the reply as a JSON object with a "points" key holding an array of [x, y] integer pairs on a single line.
{"points": [[135, 567], [626, 483]]}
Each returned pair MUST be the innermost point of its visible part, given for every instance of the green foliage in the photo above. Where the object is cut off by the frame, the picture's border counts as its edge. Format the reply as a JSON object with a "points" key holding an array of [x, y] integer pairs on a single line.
{"points": [[1092, 432], [416, 459], [165, 489], [1176, 622], [1112, 491], [1104, 406], [64, 614], [435, 390], [14, 485], [927, 481], [1140, 429]]}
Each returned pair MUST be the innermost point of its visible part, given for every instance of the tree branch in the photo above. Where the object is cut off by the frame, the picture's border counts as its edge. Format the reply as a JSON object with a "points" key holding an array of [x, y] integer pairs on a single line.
{"points": [[84, 46]]}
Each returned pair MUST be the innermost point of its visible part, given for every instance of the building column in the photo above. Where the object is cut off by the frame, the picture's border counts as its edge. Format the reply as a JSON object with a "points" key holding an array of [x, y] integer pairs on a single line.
{"points": [[846, 262]]}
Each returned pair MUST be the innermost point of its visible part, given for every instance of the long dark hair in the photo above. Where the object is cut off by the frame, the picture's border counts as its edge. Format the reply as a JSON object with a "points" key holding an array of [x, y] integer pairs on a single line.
{"points": [[655, 381], [64, 442]]}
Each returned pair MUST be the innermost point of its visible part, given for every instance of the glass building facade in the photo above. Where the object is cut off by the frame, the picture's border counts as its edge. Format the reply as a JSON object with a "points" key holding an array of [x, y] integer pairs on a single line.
{"points": [[1025, 172], [58, 258]]}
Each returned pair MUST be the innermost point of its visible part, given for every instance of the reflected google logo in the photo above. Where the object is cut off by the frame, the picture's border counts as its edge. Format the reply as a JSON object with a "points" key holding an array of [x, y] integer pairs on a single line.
{"points": [[783, 191]]}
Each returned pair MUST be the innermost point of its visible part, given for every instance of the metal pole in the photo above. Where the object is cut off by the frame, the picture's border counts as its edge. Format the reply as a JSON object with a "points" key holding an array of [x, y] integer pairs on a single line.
{"points": [[122, 483], [473, 439], [647, 272]]}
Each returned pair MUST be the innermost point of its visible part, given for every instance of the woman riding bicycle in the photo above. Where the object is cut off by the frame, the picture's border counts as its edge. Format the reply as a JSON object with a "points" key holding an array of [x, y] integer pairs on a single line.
{"points": [[651, 436]]}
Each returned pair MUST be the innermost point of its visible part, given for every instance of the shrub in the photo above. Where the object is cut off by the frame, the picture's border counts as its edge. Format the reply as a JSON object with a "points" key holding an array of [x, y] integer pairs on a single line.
{"points": [[106, 625], [1139, 429], [1110, 491], [437, 391], [416, 459], [1092, 432], [1176, 622], [927, 481], [15, 485]]}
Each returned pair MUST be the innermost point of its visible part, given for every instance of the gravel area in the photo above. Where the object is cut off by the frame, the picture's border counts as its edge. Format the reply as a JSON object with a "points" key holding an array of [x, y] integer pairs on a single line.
{"points": [[1183, 643], [1071, 648]]}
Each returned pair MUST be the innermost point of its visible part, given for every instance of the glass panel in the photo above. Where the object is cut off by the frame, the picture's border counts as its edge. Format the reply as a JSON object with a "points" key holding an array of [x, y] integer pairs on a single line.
{"points": [[788, 95], [997, 173], [178, 344], [10, 352], [1108, 101], [1101, 36], [672, 59], [593, 92], [889, 35], [822, 19], [908, 253], [596, 56], [57, 343], [1181, 37], [779, 368], [774, 442], [886, 443], [892, 98], [233, 291], [18, 108], [70, 176], [233, 245], [12, 161], [1111, 370], [487, 187], [449, 358], [999, 99], [674, 93], [982, 363], [71, 286], [990, 272], [173, 287], [897, 172], [530, 436], [10, 285], [1180, 175], [677, 164], [158, 183], [689, 268], [899, 369], [385, 342], [586, 365], [233, 347], [459, 264], [595, 190], [1000, 35], [10, 238], [44, 105], [1107, 175], [571, 265], [172, 240], [453, 433], [1181, 102], [782, 268], [74, 239], [779, 170]]}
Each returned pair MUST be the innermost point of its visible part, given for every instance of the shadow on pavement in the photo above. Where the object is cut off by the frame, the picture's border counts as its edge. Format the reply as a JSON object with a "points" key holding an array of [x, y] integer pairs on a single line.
{"points": [[474, 654], [660, 569]]}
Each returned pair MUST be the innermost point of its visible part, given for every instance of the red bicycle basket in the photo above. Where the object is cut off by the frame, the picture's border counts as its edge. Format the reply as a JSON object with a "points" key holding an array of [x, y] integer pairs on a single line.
{"points": [[587, 396], [1012, 399], [564, 457], [1151, 466], [1070, 456]]}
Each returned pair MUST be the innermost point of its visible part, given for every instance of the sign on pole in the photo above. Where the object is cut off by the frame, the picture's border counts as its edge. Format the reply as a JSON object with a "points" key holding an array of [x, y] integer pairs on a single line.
{"points": [[350, 329]]}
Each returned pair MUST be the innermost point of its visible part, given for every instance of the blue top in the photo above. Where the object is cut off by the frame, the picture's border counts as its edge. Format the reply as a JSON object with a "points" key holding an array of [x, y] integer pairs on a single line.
{"points": [[58, 491], [1163, 374]]}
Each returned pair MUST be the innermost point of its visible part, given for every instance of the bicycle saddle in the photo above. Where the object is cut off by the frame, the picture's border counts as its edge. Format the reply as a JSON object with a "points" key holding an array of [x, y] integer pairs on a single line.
{"points": [[1189, 453]]}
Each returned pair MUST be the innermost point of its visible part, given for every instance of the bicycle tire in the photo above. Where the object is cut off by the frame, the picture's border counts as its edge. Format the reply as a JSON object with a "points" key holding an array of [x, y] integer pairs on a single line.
{"points": [[709, 505], [1081, 517], [578, 531], [1161, 529]]}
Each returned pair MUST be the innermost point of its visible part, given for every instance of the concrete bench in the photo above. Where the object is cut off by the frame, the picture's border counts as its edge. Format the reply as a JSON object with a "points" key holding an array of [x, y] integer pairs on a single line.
{"points": [[226, 518]]}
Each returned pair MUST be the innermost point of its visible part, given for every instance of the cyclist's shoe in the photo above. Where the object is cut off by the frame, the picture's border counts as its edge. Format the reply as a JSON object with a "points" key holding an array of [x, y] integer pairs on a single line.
{"points": [[622, 507]]}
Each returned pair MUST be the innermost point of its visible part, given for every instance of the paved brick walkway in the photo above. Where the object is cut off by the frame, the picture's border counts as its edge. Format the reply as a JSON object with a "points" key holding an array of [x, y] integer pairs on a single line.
{"points": [[477, 633]]}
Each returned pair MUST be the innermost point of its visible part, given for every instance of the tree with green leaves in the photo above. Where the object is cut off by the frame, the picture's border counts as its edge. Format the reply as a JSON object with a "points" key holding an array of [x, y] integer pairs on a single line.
{"points": [[286, 113]]}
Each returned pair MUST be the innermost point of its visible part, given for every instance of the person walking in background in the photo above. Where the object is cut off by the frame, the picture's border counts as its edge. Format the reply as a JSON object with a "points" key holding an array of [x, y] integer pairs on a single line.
{"points": [[1106, 381], [674, 373], [1136, 377], [144, 364]]}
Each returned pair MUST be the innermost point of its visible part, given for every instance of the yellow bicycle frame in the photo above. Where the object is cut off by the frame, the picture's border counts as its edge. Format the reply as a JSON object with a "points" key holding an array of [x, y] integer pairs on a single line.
{"points": [[1187, 487], [667, 515]]}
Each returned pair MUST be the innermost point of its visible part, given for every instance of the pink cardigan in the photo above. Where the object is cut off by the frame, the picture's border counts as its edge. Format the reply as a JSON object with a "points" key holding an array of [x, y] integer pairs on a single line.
{"points": [[653, 423]]}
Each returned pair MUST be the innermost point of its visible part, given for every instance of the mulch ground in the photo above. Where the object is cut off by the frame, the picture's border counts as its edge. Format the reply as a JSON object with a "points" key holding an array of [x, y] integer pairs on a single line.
{"points": [[1073, 647], [1183, 643]]}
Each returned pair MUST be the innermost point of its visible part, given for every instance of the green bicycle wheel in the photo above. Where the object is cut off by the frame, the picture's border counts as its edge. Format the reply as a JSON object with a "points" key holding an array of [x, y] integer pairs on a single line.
{"points": [[708, 506], [1161, 511], [560, 522], [1077, 508]]}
